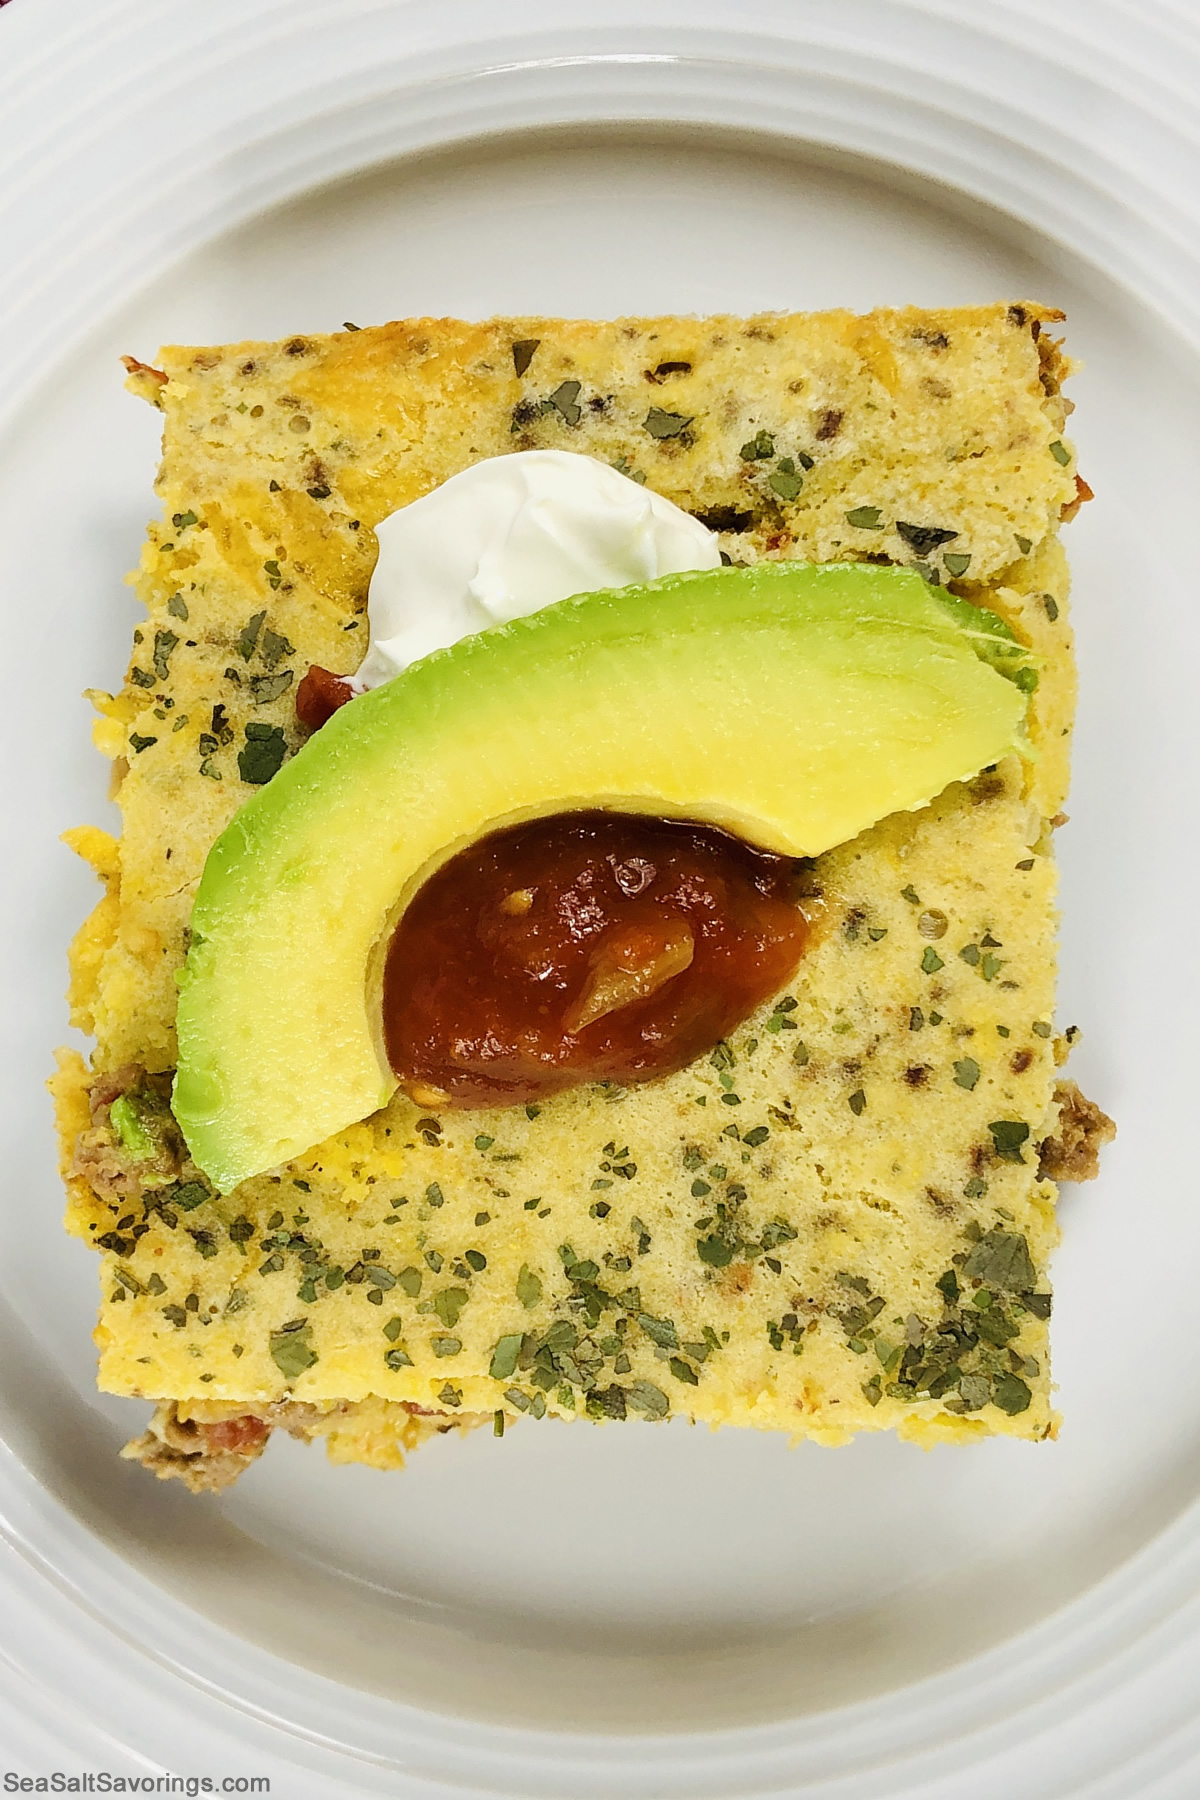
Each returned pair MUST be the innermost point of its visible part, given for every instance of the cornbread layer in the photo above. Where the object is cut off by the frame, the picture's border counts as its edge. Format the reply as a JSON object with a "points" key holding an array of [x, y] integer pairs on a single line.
{"points": [[836, 1221]]}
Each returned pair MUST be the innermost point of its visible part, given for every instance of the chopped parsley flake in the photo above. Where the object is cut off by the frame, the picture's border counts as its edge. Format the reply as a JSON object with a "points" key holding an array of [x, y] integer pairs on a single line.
{"points": [[662, 424], [291, 1349], [1008, 1135], [263, 756]]}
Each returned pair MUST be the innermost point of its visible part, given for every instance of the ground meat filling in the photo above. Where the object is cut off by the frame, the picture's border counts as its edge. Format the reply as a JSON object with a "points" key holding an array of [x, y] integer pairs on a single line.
{"points": [[209, 1457], [1072, 1151], [133, 1143]]}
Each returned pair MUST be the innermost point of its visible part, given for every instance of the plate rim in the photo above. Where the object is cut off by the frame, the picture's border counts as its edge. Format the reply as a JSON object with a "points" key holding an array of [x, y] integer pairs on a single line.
{"points": [[662, 60]]}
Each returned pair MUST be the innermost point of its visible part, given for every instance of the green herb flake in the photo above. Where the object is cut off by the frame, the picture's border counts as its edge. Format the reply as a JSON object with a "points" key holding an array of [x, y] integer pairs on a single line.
{"points": [[662, 424], [291, 1349], [397, 1357], [1051, 606], [715, 1252], [483, 1142], [248, 638], [786, 485], [274, 648], [1008, 1135], [931, 962], [1001, 1260], [523, 352], [865, 518], [858, 1103], [924, 538], [529, 1287], [1061, 454], [188, 1195], [447, 1304], [957, 562], [265, 688], [1024, 544], [683, 1371], [966, 1073], [410, 1280], [138, 743], [660, 1331], [177, 607], [645, 1398], [916, 1018], [760, 447], [973, 1393], [181, 521], [1041, 1028], [446, 1346], [565, 402], [504, 1356], [1011, 1394], [263, 756]]}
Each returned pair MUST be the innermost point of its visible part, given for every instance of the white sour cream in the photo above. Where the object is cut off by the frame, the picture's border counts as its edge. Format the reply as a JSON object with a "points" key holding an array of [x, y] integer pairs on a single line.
{"points": [[508, 536]]}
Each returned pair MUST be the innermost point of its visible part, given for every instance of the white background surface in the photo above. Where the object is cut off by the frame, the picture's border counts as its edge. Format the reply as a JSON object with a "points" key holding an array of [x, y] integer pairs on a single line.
{"points": [[567, 1591]]}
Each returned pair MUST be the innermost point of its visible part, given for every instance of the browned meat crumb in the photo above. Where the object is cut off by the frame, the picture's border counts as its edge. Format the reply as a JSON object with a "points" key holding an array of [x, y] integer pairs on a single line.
{"points": [[1072, 1152]]}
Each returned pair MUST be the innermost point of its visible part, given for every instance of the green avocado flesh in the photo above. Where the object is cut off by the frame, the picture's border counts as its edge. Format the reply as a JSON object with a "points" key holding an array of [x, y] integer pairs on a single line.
{"points": [[792, 704]]}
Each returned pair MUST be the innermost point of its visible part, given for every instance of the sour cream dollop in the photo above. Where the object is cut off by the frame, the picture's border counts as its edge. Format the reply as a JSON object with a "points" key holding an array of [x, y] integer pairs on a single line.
{"points": [[508, 536]]}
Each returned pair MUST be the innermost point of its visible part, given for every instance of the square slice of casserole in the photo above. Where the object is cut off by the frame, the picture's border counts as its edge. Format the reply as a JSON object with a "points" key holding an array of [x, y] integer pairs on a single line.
{"points": [[841, 1220]]}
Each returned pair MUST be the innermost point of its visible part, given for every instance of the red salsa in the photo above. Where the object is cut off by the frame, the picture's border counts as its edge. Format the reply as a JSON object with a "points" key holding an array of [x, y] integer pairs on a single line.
{"points": [[591, 946], [319, 695]]}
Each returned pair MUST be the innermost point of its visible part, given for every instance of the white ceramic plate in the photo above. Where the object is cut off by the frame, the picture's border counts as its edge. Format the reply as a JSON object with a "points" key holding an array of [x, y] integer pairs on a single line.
{"points": [[651, 1612]]}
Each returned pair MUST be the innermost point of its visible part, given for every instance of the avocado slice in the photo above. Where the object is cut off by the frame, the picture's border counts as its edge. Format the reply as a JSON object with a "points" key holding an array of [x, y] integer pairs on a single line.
{"points": [[793, 704]]}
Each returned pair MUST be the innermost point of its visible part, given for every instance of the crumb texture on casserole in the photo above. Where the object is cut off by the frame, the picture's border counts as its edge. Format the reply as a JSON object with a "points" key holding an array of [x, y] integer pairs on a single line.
{"points": [[842, 1219]]}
